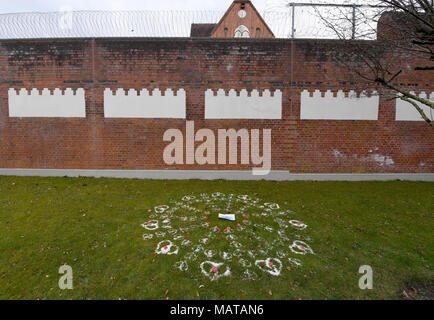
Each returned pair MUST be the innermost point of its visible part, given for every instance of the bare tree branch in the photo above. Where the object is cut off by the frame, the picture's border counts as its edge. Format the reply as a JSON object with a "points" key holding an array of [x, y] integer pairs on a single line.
{"points": [[419, 109], [408, 33], [405, 93]]}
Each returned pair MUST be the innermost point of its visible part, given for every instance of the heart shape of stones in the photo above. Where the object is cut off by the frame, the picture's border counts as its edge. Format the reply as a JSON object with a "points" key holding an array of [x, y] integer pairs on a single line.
{"points": [[209, 253], [226, 255], [218, 195], [214, 270], [249, 275], [161, 209], [188, 198], [244, 197], [295, 262], [166, 247], [300, 247], [151, 225], [181, 265], [298, 224], [272, 205], [271, 265], [245, 263]]}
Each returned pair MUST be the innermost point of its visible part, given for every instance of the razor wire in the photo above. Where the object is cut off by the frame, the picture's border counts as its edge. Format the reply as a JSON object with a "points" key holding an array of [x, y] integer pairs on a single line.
{"points": [[297, 21]]}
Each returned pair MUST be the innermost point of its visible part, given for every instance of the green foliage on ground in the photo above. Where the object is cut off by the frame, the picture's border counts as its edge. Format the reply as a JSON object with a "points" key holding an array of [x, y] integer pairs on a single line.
{"points": [[93, 225]]}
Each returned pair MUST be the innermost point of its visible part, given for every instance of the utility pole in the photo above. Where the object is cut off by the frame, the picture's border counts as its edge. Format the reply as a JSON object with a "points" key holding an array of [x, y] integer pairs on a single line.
{"points": [[293, 21], [353, 34]]}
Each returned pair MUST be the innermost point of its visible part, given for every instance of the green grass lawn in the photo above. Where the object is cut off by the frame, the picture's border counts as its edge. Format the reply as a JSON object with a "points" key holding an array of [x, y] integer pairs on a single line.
{"points": [[94, 225]]}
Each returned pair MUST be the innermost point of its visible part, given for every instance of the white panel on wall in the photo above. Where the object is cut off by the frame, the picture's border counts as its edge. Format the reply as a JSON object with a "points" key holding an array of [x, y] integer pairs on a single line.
{"points": [[243, 106], [57, 105], [339, 107], [143, 105], [407, 112]]}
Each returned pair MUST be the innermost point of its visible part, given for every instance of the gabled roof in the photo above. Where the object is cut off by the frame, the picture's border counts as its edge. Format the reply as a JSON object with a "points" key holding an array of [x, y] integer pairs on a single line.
{"points": [[231, 8]]}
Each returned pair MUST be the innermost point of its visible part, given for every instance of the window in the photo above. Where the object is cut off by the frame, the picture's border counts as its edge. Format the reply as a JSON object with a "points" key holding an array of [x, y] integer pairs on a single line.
{"points": [[242, 32], [226, 30], [258, 31]]}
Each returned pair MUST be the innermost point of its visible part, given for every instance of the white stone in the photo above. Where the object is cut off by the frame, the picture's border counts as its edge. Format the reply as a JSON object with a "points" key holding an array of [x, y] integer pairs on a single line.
{"points": [[243, 106], [143, 105], [339, 107], [47, 105]]}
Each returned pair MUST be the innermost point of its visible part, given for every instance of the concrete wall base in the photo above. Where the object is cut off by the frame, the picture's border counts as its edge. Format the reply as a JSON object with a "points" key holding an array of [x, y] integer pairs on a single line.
{"points": [[215, 175]]}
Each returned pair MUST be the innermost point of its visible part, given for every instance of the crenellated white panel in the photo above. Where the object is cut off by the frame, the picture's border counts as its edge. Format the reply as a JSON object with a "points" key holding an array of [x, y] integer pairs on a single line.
{"points": [[407, 112], [143, 105], [243, 106], [339, 107], [66, 104]]}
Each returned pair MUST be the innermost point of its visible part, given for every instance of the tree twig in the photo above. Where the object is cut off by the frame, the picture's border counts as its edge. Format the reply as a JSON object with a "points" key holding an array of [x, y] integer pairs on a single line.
{"points": [[419, 109]]}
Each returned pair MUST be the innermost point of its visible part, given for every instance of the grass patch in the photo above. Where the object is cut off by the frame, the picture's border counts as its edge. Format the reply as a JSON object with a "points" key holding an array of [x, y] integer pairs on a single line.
{"points": [[93, 225]]}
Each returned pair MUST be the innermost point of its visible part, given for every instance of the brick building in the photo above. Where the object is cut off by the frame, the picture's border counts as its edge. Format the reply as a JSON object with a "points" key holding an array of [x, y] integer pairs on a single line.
{"points": [[241, 20], [98, 105]]}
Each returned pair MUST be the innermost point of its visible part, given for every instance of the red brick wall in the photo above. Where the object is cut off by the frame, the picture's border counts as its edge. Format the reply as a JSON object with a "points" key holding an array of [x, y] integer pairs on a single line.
{"points": [[196, 65]]}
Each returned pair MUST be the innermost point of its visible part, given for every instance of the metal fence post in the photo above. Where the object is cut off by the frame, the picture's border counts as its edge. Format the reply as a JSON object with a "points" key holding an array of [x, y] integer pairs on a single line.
{"points": [[353, 34], [293, 21]]}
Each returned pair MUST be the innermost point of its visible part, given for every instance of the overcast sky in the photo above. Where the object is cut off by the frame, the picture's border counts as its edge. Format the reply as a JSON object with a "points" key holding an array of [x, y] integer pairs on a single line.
{"points": [[12, 6]]}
